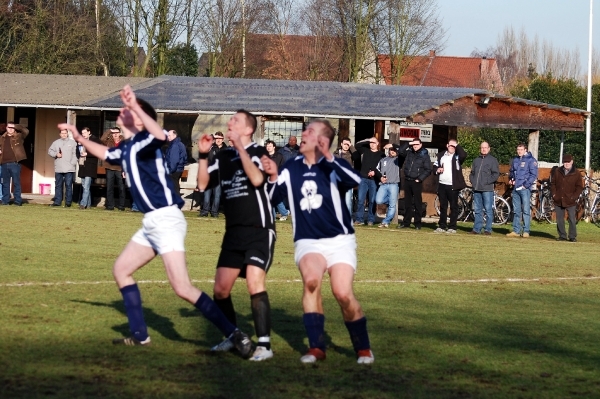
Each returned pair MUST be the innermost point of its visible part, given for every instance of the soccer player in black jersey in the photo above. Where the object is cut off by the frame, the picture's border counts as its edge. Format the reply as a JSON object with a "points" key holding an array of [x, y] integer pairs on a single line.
{"points": [[163, 228], [249, 240]]}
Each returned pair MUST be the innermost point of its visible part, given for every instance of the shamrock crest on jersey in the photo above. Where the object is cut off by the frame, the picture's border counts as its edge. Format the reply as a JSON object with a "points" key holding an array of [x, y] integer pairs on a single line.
{"points": [[311, 199]]}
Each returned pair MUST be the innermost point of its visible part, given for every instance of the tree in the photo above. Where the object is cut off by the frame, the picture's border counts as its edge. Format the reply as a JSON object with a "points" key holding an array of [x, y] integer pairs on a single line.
{"points": [[182, 60], [403, 29]]}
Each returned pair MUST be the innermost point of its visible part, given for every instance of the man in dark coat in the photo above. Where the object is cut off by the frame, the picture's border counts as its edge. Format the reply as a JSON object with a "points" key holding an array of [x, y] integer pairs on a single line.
{"points": [[417, 166], [213, 193], [448, 167], [88, 168], [12, 152], [176, 157], [566, 186], [290, 150]]}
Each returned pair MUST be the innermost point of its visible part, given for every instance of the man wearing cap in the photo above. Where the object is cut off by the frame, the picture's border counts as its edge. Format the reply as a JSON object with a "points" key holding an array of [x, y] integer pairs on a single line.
{"points": [[566, 186], [12, 152], [448, 167], [215, 192], [368, 149], [417, 166], [523, 174], [175, 157], [484, 173]]}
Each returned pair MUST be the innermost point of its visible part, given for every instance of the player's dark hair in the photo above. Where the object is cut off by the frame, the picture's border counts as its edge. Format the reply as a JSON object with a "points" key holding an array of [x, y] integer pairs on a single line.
{"points": [[147, 108], [250, 118], [328, 130]]}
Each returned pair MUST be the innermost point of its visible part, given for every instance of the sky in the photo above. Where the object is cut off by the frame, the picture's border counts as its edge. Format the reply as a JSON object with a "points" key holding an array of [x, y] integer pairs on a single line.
{"points": [[477, 24]]}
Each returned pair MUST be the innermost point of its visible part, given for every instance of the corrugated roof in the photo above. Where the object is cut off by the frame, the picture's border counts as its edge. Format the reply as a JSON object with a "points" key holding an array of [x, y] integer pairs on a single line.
{"points": [[222, 95], [60, 90]]}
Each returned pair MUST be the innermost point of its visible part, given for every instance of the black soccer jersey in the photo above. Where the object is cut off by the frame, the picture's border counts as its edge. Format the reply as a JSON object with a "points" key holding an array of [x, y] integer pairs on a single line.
{"points": [[244, 204]]}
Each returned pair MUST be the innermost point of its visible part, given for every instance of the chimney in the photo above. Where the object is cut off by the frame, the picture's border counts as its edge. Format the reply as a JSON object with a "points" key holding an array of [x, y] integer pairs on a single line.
{"points": [[432, 53]]}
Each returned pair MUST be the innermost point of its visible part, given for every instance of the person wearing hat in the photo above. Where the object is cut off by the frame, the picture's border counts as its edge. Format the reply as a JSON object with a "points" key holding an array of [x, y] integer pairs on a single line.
{"points": [[522, 176], [215, 192], [448, 167], [417, 166], [566, 186]]}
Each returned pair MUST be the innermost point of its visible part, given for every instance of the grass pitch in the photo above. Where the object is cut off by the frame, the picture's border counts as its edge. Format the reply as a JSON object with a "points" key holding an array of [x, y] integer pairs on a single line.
{"points": [[449, 316]]}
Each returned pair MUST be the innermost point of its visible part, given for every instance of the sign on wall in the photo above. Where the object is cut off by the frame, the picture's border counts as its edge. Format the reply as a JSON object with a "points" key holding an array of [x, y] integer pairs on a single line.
{"points": [[409, 131]]}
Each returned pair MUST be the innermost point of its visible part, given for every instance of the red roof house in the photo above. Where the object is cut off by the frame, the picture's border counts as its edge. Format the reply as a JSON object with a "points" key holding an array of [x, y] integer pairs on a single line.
{"points": [[444, 71]]}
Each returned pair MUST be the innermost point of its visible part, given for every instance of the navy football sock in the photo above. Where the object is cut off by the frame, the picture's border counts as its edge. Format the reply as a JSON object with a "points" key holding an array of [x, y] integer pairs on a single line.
{"points": [[212, 312], [133, 308], [358, 334], [315, 329]]}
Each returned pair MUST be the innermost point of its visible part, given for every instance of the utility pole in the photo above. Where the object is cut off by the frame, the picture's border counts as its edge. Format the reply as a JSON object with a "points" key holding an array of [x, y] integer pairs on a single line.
{"points": [[243, 38], [588, 122]]}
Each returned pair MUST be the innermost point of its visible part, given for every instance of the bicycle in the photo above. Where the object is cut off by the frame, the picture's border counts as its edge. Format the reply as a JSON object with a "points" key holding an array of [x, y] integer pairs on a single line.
{"points": [[466, 207], [587, 208], [542, 206]]}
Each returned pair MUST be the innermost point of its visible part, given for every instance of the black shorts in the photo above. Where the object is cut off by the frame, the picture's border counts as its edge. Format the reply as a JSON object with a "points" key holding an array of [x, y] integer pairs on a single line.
{"points": [[243, 246]]}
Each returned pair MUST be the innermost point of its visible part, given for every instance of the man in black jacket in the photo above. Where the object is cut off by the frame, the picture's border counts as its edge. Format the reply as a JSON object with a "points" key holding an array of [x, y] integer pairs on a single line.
{"points": [[213, 193], [448, 167], [417, 166], [371, 155]]}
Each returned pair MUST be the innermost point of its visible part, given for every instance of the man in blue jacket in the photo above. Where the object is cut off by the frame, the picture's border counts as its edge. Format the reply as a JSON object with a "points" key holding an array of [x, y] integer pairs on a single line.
{"points": [[523, 174], [176, 157]]}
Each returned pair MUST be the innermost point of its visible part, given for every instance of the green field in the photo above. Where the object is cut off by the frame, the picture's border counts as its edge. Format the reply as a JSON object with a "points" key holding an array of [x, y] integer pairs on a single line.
{"points": [[450, 316]]}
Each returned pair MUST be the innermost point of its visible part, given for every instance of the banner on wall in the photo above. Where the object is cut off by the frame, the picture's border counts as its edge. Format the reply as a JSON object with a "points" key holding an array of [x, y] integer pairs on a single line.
{"points": [[409, 131]]}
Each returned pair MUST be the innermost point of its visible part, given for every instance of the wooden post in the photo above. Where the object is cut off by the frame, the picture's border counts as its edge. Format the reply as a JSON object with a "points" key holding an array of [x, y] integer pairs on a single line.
{"points": [[534, 142]]}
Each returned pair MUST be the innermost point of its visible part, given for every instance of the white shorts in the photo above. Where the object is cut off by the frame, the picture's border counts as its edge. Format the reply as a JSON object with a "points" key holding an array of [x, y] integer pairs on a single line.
{"points": [[339, 249], [163, 229]]}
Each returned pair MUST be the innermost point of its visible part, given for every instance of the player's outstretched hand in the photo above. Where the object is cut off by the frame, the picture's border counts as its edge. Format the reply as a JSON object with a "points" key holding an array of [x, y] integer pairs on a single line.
{"points": [[269, 166], [204, 143], [73, 129], [235, 140], [128, 97]]}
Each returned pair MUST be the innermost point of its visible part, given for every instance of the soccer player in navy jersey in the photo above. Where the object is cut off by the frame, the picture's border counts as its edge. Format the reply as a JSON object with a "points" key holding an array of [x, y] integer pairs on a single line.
{"points": [[249, 240], [324, 241], [163, 227]]}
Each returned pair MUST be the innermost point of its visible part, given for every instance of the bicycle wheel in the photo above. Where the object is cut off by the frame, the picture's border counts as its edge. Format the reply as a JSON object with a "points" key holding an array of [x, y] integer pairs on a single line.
{"points": [[436, 205], [501, 211], [582, 206], [595, 211], [548, 209]]}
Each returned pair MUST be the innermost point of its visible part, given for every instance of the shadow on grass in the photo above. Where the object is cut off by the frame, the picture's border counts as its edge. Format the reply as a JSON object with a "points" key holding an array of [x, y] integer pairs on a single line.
{"points": [[163, 325]]}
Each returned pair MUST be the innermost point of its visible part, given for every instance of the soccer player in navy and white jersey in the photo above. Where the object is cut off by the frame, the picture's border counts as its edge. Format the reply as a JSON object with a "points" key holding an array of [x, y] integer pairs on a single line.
{"points": [[316, 184], [249, 240], [163, 227]]}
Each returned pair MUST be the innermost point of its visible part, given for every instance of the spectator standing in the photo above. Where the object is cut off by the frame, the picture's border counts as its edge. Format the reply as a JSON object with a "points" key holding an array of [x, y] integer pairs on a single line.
{"points": [[213, 193], [290, 150], [114, 174], [63, 151], [522, 176], [388, 170], [345, 152], [484, 173], [176, 157], [12, 152], [566, 186], [370, 154], [448, 167], [278, 159], [88, 168], [417, 166]]}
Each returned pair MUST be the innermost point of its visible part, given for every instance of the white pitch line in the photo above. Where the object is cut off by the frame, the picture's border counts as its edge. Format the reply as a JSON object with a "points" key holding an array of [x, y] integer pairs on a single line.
{"points": [[473, 281]]}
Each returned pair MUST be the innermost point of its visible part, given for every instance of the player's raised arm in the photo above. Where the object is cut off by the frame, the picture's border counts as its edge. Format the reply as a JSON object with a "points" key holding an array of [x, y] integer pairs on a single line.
{"points": [[130, 101], [204, 144], [255, 175], [97, 150]]}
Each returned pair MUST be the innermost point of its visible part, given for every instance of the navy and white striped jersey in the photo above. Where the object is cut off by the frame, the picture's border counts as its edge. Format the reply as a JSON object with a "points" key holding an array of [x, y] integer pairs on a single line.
{"points": [[146, 172], [244, 204], [316, 196]]}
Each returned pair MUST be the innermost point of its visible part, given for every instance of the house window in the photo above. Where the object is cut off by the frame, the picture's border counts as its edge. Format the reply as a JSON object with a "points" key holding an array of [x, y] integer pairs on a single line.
{"points": [[281, 130]]}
